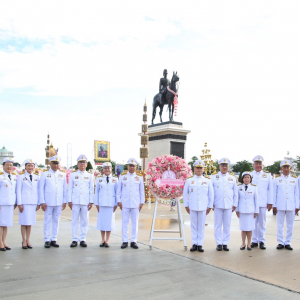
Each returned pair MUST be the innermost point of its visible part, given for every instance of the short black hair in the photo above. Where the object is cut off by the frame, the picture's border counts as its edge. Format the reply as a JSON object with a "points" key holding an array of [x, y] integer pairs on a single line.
{"points": [[245, 175]]}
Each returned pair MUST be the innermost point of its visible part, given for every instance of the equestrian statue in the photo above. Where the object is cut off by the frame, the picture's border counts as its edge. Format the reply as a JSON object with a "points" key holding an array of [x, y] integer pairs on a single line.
{"points": [[166, 95]]}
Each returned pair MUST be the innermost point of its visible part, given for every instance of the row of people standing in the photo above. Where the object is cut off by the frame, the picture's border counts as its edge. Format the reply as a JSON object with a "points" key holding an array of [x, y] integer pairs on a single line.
{"points": [[50, 192], [251, 200]]}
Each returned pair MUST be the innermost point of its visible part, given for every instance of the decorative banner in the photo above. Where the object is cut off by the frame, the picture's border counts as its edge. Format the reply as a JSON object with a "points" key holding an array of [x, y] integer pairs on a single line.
{"points": [[144, 139], [166, 177], [144, 128], [102, 151], [144, 152]]}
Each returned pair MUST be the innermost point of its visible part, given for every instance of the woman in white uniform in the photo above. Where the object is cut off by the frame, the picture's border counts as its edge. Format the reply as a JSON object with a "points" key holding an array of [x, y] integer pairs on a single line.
{"points": [[27, 200], [8, 181], [106, 203], [247, 209]]}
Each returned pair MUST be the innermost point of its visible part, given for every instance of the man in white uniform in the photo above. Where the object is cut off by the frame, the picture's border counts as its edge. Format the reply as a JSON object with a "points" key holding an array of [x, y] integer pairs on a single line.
{"points": [[263, 181], [130, 198], [53, 199], [225, 202], [80, 200], [286, 203], [198, 197]]}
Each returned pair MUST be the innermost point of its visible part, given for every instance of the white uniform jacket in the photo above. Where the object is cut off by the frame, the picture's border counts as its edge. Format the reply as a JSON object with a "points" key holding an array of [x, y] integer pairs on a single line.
{"points": [[286, 192], [198, 193], [225, 190], [106, 192], [130, 191], [264, 184], [27, 191], [247, 200], [81, 188], [53, 188], [7, 189]]}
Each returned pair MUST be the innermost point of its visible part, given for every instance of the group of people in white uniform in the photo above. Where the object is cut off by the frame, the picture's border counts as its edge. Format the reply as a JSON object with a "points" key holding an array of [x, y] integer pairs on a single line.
{"points": [[50, 191], [251, 199]]}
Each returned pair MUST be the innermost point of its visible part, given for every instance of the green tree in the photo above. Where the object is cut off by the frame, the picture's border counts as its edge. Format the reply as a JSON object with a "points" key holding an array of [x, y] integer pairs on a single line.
{"points": [[237, 168], [75, 167], [41, 166], [297, 161], [193, 159], [274, 168], [16, 164], [89, 166], [246, 167], [216, 164]]}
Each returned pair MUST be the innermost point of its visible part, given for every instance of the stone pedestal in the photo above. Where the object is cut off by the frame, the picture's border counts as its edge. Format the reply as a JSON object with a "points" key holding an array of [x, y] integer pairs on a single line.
{"points": [[166, 138]]}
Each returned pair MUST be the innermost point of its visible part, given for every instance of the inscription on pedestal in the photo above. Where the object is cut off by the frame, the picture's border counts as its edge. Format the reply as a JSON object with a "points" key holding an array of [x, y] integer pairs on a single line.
{"points": [[177, 149]]}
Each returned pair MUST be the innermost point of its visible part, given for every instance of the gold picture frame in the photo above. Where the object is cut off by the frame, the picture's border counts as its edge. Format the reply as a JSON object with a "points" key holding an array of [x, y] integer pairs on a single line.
{"points": [[102, 151]]}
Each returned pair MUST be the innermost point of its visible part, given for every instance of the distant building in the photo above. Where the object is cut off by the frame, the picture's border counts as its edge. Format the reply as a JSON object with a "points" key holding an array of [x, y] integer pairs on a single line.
{"points": [[4, 153]]}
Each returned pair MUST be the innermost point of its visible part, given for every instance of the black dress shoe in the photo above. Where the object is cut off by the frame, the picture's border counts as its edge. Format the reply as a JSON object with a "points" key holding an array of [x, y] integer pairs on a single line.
{"points": [[24, 247], [7, 248], [262, 246], [242, 248], [83, 244], [29, 247], [219, 248], [54, 244], [106, 245], [225, 248], [73, 244], [3, 249], [288, 247], [249, 248], [102, 244], [253, 245], [200, 249], [194, 248], [47, 245], [124, 245], [280, 246], [134, 245]]}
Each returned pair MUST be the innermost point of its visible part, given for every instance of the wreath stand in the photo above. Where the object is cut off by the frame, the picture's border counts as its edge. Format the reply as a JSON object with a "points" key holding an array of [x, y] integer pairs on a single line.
{"points": [[180, 223]]}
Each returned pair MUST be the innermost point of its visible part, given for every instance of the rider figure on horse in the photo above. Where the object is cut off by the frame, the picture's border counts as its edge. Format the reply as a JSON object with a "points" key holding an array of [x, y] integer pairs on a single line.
{"points": [[163, 84]]}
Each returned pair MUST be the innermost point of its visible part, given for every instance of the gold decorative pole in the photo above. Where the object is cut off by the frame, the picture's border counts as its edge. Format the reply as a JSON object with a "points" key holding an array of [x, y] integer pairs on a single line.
{"points": [[209, 163], [144, 151]]}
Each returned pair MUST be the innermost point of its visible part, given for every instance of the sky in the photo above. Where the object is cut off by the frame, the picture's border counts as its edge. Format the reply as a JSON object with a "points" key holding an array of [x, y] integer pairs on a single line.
{"points": [[82, 70]]}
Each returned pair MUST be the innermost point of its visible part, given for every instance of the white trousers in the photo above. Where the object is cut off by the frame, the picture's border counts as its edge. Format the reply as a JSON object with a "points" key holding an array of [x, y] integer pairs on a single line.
{"points": [[126, 213], [197, 226], [83, 211], [52, 214], [290, 217], [222, 217], [258, 234]]}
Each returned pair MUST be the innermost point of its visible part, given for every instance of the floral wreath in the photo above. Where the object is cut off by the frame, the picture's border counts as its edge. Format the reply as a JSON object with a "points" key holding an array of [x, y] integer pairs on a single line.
{"points": [[165, 193]]}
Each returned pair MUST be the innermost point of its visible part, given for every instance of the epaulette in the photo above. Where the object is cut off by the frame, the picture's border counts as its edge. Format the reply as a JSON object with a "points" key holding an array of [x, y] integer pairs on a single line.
{"points": [[294, 176], [278, 175], [232, 174], [266, 171], [35, 172], [139, 173], [190, 177], [207, 177], [1, 173], [45, 170], [91, 172], [124, 173], [14, 173], [22, 173], [239, 183], [64, 171], [115, 176], [99, 176], [214, 173], [253, 184]]}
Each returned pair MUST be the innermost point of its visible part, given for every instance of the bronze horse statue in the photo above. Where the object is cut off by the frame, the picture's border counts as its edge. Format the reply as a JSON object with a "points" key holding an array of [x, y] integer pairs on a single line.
{"points": [[159, 101]]}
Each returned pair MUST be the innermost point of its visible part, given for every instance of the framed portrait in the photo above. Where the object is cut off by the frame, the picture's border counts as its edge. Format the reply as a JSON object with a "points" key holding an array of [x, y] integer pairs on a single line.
{"points": [[119, 169], [102, 151]]}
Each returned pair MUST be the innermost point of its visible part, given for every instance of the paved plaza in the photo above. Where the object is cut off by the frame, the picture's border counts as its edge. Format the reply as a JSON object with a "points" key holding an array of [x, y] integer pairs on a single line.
{"points": [[165, 272]]}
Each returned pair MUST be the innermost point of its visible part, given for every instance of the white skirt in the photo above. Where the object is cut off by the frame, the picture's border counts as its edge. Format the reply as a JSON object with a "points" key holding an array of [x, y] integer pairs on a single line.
{"points": [[28, 216], [105, 218], [247, 222], [6, 215]]}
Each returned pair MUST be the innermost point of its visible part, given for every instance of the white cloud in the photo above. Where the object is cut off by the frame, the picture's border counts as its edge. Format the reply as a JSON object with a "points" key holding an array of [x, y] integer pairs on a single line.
{"points": [[238, 64]]}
